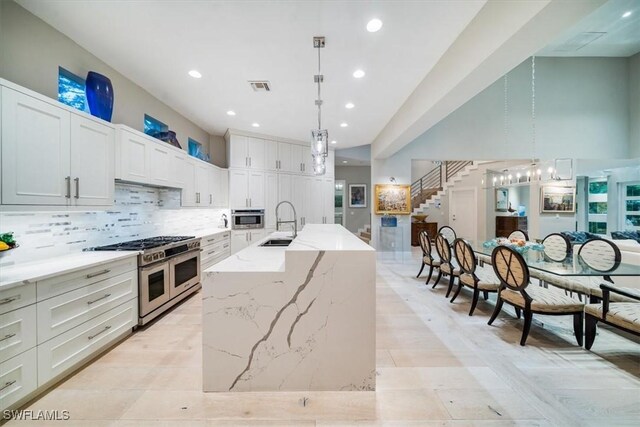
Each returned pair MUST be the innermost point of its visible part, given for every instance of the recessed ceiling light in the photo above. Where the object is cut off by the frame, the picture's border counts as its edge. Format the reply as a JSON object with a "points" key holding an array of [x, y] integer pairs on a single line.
{"points": [[333, 142], [358, 74], [255, 125], [374, 25], [626, 14], [231, 113], [343, 125], [195, 74], [344, 161], [349, 105]]}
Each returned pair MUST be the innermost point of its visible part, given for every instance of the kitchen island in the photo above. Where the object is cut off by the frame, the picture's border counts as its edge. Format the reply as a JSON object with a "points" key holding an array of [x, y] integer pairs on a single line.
{"points": [[300, 317]]}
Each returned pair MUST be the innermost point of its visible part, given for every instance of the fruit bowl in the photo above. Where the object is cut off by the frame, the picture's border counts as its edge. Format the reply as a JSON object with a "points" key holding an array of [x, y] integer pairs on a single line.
{"points": [[419, 218]]}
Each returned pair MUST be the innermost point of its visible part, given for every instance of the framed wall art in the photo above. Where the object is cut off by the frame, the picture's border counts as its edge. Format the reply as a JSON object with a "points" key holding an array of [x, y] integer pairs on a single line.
{"points": [[392, 199], [502, 199], [556, 199], [357, 195]]}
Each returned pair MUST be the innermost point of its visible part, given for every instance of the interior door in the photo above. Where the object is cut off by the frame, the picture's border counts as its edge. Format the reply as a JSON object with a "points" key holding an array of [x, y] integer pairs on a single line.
{"points": [[92, 161], [238, 189], [463, 208], [35, 151]]}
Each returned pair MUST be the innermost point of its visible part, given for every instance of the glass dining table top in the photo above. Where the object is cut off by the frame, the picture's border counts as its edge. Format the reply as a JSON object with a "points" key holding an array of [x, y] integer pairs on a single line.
{"points": [[572, 265]]}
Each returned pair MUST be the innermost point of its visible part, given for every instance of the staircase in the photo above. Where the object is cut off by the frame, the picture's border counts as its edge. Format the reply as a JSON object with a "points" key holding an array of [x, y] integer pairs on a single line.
{"points": [[364, 234], [429, 189]]}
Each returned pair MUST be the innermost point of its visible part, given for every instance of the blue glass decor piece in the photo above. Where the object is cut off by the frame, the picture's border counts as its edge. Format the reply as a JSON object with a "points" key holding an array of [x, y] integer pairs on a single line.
{"points": [[389, 221], [521, 210], [99, 95], [71, 90], [153, 126]]}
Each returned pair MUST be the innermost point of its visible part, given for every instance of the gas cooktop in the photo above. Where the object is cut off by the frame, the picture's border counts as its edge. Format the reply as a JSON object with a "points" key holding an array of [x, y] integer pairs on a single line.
{"points": [[143, 244]]}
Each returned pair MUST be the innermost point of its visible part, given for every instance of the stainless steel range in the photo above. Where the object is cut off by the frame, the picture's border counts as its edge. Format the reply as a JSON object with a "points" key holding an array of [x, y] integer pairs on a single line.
{"points": [[168, 271]]}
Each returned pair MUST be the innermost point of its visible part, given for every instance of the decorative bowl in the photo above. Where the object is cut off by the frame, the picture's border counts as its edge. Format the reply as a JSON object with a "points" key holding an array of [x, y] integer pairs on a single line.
{"points": [[419, 218]]}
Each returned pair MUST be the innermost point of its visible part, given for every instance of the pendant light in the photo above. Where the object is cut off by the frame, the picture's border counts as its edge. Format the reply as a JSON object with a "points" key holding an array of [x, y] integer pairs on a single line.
{"points": [[319, 137], [535, 171]]}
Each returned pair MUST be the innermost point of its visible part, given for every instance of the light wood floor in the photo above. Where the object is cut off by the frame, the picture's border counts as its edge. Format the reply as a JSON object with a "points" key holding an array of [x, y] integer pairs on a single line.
{"points": [[436, 367]]}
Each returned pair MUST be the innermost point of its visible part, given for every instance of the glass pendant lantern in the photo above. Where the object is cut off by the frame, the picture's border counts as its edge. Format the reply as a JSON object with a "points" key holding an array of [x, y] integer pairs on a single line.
{"points": [[319, 142], [319, 167], [319, 136]]}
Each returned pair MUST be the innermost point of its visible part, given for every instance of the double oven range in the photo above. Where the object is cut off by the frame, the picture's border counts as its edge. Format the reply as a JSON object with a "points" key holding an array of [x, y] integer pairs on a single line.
{"points": [[168, 271]]}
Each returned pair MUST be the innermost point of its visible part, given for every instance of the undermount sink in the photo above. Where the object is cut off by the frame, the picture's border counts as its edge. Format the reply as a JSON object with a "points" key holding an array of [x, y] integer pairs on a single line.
{"points": [[277, 242]]}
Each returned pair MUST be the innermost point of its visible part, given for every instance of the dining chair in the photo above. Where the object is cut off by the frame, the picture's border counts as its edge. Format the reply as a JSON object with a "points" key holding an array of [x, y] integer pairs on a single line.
{"points": [[622, 315], [556, 249], [427, 256], [448, 233], [480, 279], [519, 234], [447, 265], [510, 267]]}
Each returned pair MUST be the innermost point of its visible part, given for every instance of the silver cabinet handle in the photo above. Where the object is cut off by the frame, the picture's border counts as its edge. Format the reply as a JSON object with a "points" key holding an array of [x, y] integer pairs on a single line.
{"points": [[98, 273], [68, 181], [6, 337], [77, 181], [246, 236], [250, 202], [8, 300], [225, 246], [101, 298], [249, 161], [106, 328], [246, 202], [246, 161], [7, 384], [210, 198], [211, 252]]}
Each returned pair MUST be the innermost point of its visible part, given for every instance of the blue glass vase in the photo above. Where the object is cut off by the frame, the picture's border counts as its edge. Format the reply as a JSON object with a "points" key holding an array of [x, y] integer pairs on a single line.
{"points": [[99, 95]]}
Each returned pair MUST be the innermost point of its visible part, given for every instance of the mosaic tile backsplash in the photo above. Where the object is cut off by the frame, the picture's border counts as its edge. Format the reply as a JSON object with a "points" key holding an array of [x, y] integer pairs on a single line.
{"points": [[138, 212]]}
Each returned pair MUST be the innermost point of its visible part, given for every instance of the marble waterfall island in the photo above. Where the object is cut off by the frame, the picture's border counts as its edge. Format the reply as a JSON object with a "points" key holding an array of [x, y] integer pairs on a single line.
{"points": [[292, 318]]}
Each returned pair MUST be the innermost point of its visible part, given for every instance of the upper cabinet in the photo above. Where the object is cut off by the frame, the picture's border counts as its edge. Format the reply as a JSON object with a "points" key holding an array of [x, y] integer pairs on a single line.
{"points": [[51, 156], [246, 152]]}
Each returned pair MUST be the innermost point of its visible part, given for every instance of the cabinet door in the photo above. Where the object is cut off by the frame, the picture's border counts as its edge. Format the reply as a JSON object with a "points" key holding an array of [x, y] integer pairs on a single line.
{"points": [[188, 172], [178, 161], [160, 164], [307, 163], [134, 158], [92, 162], [213, 185], [202, 184], [328, 199], [298, 184], [223, 193], [256, 189], [239, 240], [35, 151], [330, 163], [296, 158], [284, 193], [316, 203], [256, 235], [284, 155], [270, 199], [238, 186], [271, 162], [255, 150], [238, 157]]}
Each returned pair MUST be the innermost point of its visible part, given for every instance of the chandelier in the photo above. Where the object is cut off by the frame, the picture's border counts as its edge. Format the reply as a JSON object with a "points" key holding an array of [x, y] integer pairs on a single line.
{"points": [[319, 137]]}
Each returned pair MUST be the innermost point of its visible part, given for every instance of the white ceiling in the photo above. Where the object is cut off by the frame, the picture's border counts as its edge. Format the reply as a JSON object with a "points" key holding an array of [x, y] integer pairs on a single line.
{"points": [[156, 43], [354, 156], [612, 35]]}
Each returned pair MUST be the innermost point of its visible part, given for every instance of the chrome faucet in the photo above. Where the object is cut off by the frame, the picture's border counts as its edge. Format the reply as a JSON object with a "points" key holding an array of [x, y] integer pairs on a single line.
{"points": [[295, 218]]}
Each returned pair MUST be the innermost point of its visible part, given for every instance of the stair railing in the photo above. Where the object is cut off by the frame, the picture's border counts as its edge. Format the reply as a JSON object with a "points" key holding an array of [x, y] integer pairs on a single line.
{"points": [[429, 184]]}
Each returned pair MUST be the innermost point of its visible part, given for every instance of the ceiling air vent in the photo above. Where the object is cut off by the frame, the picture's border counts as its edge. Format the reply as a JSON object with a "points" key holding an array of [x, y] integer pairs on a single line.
{"points": [[579, 41], [260, 85]]}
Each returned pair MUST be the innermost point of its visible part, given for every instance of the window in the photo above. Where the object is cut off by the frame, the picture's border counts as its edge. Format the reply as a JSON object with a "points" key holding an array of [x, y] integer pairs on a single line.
{"points": [[631, 206], [71, 90], [598, 204], [153, 126]]}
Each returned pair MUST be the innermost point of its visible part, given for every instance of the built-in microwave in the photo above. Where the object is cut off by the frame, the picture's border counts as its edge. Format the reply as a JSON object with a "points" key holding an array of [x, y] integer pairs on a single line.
{"points": [[247, 218]]}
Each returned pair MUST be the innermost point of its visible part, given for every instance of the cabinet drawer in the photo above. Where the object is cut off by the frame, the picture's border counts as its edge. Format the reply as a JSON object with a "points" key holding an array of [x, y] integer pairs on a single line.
{"points": [[214, 250], [215, 238], [18, 378], [67, 282], [208, 262], [63, 312], [17, 297], [70, 348], [17, 331]]}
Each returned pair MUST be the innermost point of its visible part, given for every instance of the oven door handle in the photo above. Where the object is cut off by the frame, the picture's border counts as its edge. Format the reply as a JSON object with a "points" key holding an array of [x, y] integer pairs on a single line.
{"points": [[194, 253]]}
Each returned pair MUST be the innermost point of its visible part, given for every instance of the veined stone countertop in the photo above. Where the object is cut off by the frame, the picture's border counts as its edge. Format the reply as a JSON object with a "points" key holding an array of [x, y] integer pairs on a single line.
{"points": [[24, 273], [314, 237]]}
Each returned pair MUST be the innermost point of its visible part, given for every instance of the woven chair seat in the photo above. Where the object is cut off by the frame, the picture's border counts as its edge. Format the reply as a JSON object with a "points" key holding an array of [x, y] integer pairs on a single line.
{"points": [[446, 268], [623, 314], [488, 280], [544, 300], [587, 286], [429, 261]]}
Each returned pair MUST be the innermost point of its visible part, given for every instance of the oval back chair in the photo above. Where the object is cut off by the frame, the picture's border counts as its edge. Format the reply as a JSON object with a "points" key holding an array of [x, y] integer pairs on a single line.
{"points": [[449, 233], [556, 247], [519, 234], [513, 273], [443, 247], [465, 256], [427, 256], [600, 255]]}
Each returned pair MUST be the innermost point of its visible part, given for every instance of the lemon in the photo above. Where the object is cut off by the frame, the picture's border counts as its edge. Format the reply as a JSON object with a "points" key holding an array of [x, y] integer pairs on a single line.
{"points": [[4, 246]]}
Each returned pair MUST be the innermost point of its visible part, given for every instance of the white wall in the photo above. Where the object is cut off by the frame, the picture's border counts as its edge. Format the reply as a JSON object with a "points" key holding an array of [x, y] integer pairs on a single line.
{"points": [[634, 106], [420, 168], [31, 51], [355, 218]]}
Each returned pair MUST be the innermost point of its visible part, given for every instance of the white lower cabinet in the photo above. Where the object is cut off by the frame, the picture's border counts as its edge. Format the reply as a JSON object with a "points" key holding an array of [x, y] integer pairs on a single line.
{"points": [[17, 332], [16, 297], [65, 351], [241, 239], [214, 248], [18, 378]]}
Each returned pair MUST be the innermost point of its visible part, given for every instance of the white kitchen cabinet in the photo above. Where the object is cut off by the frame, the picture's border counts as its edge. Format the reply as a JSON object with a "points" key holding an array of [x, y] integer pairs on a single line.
{"points": [[301, 193], [301, 159], [246, 152], [203, 194], [330, 163], [188, 193], [284, 194], [240, 239], [246, 189], [321, 201], [18, 378], [328, 198], [278, 156], [160, 157], [270, 199], [36, 143], [17, 332], [51, 156], [284, 158], [221, 193], [256, 153], [271, 155], [133, 157]]}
